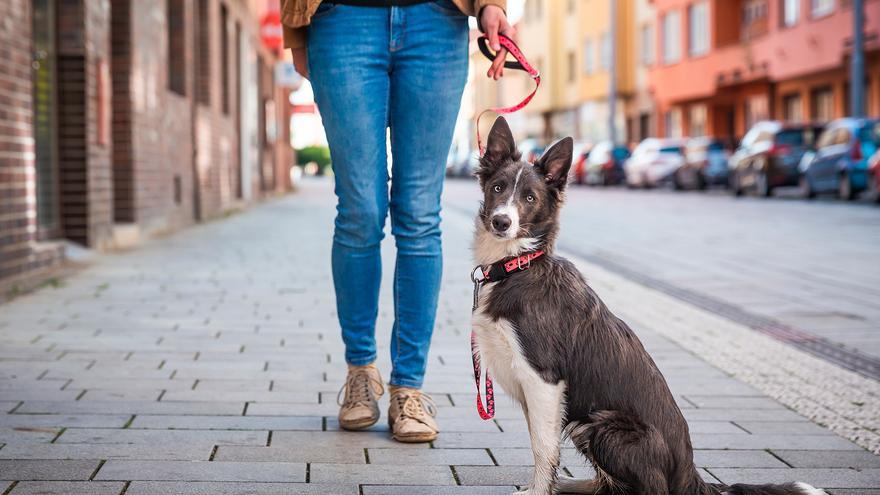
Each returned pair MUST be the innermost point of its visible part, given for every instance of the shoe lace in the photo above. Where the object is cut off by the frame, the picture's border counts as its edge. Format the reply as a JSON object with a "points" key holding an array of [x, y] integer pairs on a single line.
{"points": [[359, 389], [415, 405]]}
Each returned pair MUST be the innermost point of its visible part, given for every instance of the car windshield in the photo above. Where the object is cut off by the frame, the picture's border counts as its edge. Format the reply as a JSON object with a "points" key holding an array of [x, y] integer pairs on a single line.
{"points": [[621, 153], [716, 146], [791, 137], [671, 149]]}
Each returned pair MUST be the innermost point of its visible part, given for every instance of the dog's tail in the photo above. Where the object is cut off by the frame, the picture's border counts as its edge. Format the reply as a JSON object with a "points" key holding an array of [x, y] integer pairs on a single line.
{"points": [[798, 488]]}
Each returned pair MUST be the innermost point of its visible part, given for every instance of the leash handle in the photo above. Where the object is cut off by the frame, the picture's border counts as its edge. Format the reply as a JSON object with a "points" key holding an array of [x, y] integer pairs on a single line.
{"points": [[519, 64], [487, 412]]}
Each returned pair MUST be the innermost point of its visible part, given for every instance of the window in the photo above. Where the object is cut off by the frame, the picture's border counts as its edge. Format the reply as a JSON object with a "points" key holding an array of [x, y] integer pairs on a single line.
{"points": [[176, 46], [791, 12], [822, 104], [698, 117], [756, 109], [822, 7], [203, 57], [698, 29], [605, 55], [792, 108], [647, 48], [673, 123], [589, 60], [224, 58], [572, 66], [754, 19], [671, 37]]}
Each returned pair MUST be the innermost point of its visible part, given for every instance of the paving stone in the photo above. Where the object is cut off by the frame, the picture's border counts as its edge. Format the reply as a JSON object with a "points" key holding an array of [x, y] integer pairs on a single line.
{"points": [[818, 477], [314, 453], [484, 440], [756, 442], [445, 457], [227, 488], [4, 485], [240, 395], [834, 459], [736, 458], [361, 439], [734, 414], [28, 435], [63, 421], [227, 422], [783, 428], [191, 437], [119, 394], [202, 471], [68, 488], [724, 402], [493, 475], [524, 457], [166, 451], [129, 407], [437, 490], [48, 470], [376, 474]]}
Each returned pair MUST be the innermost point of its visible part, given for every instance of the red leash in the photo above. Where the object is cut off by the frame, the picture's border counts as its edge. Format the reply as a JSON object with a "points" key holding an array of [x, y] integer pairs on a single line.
{"points": [[520, 64], [504, 268], [494, 273]]}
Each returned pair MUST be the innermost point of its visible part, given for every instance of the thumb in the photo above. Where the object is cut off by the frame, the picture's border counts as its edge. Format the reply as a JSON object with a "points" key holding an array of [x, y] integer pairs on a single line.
{"points": [[492, 34]]}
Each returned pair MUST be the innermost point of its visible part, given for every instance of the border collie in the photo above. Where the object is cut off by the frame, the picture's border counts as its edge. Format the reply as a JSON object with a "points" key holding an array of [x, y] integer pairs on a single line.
{"points": [[574, 367]]}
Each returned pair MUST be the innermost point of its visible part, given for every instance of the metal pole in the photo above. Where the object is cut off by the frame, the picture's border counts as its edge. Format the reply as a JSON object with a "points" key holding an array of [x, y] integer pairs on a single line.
{"points": [[857, 77], [612, 79]]}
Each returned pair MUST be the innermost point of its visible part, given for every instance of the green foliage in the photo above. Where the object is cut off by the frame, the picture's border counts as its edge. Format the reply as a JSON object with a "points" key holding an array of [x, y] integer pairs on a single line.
{"points": [[318, 154]]}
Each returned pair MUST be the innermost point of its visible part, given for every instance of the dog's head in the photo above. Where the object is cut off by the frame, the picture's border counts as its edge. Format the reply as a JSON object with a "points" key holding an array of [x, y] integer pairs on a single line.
{"points": [[521, 201]]}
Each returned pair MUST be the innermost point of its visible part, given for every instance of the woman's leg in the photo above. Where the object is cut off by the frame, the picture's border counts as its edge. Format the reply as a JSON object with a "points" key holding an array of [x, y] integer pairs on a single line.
{"points": [[349, 65], [429, 60]]}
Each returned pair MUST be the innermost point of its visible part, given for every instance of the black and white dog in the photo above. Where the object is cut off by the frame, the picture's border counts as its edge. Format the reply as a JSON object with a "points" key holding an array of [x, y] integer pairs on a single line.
{"points": [[575, 368]]}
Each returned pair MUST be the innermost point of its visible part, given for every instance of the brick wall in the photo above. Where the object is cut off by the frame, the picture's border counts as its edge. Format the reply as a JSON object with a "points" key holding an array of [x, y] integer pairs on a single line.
{"points": [[20, 252]]}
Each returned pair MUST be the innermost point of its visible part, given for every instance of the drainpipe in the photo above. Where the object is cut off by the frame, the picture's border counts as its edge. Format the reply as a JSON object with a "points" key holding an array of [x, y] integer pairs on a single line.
{"points": [[612, 84], [857, 77]]}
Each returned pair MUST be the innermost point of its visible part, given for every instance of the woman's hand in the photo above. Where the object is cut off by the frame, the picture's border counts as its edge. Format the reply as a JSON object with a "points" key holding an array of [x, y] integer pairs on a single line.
{"points": [[494, 21], [301, 61]]}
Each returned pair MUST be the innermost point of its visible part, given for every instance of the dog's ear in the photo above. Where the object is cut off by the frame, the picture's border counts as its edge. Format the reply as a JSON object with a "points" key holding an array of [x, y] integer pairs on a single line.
{"points": [[500, 149], [555, 162]]}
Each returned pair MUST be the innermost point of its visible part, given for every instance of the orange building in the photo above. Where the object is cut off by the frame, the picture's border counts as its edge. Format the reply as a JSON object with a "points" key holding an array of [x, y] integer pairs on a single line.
{"points": [[722, 65]]}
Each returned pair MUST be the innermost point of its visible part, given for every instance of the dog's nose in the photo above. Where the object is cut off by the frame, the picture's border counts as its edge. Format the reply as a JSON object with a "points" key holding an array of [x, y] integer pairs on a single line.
{"points": [[501, 223]]}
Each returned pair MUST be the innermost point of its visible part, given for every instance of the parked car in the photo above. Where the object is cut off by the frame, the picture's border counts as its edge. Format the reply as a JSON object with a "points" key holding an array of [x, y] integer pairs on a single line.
{"points": [[705, 164], [604, 164], [654, 162], [874, 176], [840, 161], [769, 157]]}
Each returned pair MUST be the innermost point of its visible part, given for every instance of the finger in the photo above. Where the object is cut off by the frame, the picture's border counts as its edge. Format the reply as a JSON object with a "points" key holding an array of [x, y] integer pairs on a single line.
{"points": [[498, 63], [492, 34]]}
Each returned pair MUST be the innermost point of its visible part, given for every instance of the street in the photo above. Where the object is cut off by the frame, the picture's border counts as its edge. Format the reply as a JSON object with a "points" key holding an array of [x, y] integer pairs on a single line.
{"points": [[209, 361]]}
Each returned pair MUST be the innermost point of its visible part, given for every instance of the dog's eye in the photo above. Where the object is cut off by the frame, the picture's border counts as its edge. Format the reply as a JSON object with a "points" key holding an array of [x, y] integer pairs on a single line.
{"points": [[530, 198], [497, 188]]}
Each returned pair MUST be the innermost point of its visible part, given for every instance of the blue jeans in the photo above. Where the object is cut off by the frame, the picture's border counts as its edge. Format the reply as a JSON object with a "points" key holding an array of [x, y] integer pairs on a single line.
{"points": [[402, 68]]}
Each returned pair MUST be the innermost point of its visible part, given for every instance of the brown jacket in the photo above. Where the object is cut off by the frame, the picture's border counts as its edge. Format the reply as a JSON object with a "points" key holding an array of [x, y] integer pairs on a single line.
{"points": [[296, 14]]}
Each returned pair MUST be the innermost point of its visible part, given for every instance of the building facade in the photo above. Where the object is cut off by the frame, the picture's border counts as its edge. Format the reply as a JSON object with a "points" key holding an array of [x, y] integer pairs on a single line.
{"points": [[723, 65], [129, 118]]}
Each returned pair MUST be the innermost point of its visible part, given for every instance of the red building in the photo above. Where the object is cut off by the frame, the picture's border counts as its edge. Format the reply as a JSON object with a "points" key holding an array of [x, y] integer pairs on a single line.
{"points": [[120, 119], [724, 64]]}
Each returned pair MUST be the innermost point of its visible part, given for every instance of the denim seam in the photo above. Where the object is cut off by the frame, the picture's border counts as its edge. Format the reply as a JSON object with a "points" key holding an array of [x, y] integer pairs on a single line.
{"points": [[404, 383]]}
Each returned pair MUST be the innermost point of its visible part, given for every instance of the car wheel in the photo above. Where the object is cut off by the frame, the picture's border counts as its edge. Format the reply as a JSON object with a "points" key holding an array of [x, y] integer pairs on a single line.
{"points": [[676, 181], [762, 185], [844, 188], [806, 187], [702, 183]]}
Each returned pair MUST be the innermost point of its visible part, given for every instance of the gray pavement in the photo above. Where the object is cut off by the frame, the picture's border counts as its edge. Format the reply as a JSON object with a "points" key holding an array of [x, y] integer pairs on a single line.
{"points": [[209, 361]]}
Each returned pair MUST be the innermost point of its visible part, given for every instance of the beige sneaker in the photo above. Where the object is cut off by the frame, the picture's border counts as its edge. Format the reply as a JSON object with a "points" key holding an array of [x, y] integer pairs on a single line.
{"points": [[362, 390], [411, 416]]}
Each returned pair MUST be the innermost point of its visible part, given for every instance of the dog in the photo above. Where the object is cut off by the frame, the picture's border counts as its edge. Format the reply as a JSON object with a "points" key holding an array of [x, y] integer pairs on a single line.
{"points": [[575, 368]]}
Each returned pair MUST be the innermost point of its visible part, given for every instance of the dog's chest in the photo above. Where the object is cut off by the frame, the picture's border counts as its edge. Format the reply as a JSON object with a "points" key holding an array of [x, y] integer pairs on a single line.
{"points": [[500, 350]]}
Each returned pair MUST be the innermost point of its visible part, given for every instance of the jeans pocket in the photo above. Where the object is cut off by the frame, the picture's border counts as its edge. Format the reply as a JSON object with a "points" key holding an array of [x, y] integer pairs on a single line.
{"points": [[324, 9], [447, 7]]}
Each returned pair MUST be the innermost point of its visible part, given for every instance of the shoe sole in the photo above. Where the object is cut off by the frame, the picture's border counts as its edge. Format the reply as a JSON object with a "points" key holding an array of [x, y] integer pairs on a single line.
{"points": [[425, 438], [358, 425]]}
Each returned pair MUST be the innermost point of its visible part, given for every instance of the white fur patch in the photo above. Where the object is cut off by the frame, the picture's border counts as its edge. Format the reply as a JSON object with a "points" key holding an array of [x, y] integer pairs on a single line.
{"points": [[510, 208], [543, 403], [808, 489], [489, 248]]}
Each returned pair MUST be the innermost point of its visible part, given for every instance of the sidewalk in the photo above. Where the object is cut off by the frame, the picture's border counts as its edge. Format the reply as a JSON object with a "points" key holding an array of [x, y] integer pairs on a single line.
{"points": [[209, 363]]}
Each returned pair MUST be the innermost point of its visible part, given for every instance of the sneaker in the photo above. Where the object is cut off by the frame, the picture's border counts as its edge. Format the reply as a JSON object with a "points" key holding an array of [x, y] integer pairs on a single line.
{"points": [[411, 416], [362, 390]]}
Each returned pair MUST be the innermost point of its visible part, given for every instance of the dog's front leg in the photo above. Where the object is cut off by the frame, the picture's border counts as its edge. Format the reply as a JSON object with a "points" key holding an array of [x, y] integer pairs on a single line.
{"points": [[543, 408]]}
